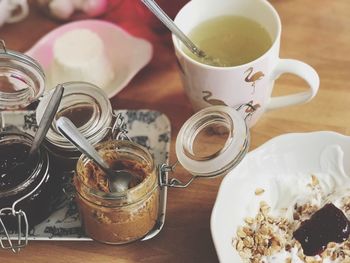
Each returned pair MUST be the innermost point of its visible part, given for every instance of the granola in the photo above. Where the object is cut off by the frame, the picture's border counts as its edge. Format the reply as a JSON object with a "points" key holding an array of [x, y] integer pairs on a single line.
{"points": [[265, 236]]}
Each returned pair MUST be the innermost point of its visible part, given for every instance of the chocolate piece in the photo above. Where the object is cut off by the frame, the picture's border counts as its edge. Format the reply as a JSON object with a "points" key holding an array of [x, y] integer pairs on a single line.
{"points": [[329, 224]]}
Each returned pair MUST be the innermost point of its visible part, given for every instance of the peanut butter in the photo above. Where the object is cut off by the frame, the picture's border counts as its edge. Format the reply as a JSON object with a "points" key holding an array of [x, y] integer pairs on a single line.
{"points": [[118, 218]]}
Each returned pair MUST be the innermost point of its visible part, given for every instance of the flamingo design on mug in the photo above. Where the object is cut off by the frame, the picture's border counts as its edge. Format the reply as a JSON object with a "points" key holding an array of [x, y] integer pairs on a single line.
{"points": [[253, 107], [252, 78], [207, 99]]}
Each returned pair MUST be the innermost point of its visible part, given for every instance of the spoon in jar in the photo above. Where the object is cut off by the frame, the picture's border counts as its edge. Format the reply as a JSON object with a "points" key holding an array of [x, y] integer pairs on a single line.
{"points": [[118, 181], [43, 127], [166, 20], [47, 119]]}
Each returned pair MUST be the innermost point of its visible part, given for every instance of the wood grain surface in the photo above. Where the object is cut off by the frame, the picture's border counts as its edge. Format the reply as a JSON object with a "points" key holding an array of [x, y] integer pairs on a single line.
{"points": [[317, 32]]}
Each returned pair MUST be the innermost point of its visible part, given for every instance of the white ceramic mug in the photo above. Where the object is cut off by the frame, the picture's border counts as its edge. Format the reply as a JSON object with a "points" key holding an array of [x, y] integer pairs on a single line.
{"points": [[8, 8], [252, 82]]}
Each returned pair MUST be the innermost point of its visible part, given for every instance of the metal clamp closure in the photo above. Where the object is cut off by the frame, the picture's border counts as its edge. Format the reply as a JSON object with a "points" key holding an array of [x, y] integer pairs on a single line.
{"points": [[119, 129], [163, 173], [22, 238], [2, 45]]}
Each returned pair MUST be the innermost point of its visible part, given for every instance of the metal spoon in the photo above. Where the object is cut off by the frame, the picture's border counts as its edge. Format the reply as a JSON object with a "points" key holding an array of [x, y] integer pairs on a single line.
{"points": [[44, 126], [118, 181], [47, 119], [166, 20]]}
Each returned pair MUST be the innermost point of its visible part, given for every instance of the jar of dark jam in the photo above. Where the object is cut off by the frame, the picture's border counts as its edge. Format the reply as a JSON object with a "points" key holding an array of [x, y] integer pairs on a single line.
{"points": [[22, 80], [89, 108], [26, 186]]}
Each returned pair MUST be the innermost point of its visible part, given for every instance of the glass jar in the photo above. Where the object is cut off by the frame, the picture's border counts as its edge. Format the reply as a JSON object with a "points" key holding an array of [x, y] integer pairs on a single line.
{"points": [[139, 212], [22, 80], [26, 189], [89, 108], [123, 217]]}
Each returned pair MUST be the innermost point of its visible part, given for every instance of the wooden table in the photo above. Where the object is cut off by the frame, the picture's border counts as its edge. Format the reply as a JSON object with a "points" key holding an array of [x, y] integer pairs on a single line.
{"points": [[316, 32]]}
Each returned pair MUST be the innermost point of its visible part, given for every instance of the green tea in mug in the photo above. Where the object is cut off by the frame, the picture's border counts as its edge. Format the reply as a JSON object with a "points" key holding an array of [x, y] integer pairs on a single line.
{"points": [[231, 40]]}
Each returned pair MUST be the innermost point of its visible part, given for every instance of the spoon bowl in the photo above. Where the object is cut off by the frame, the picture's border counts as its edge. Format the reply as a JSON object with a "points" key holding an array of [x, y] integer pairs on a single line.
{"points": [[118, 181]]}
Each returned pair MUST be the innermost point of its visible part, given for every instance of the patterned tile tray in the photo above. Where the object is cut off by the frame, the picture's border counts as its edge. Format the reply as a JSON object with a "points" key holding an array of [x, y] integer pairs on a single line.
{"points": [[148, 128]]}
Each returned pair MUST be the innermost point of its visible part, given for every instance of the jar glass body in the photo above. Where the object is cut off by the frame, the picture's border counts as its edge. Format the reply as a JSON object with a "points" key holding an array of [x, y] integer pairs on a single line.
{"points": [[89, 108], [22, 80], [123, 217], [38, 185]]}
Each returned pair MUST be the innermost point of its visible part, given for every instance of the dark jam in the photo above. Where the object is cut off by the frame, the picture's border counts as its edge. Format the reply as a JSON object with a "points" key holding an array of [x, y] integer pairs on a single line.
{"points": [[79, 114], [20, 176], [329, 224], [14, 167]]}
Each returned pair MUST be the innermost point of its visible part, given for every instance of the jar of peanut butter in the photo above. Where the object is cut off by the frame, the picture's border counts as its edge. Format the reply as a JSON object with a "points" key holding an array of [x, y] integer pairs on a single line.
{"points": [[139, 212], [22, 80], [89, 108], [118, 217]]}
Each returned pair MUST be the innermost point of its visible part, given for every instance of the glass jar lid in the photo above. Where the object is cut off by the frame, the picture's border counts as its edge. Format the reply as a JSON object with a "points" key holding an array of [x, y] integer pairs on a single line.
{"points": [[87, 106], [22, 80], [213, 141]]}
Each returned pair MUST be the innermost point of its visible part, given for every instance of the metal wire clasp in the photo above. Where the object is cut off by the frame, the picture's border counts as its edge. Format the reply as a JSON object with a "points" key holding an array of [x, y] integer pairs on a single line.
{"points": [[164, 180], [22, 238], [119, 129], [2, 45]]}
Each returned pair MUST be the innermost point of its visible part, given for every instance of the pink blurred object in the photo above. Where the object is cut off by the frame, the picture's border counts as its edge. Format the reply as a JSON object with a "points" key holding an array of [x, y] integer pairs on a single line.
{"points": [[135, 10], [134, 17], [127, 54]]}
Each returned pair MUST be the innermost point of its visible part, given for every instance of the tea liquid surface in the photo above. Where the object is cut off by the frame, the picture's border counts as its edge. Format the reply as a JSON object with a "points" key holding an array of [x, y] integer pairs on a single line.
{"points": [[233, 40]]}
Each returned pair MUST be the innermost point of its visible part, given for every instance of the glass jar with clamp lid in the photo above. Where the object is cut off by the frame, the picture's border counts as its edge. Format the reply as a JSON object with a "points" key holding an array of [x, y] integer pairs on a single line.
{"points": [[138, 213]]}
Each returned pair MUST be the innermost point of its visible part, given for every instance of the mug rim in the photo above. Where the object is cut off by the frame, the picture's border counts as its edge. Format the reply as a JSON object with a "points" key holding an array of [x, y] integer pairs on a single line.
{"points": [[176, 42]]}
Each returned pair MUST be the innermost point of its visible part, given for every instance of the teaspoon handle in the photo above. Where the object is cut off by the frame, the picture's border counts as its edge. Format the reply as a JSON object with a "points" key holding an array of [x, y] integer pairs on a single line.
{"points": [[47, 118], [162, 16], [71, 133]]}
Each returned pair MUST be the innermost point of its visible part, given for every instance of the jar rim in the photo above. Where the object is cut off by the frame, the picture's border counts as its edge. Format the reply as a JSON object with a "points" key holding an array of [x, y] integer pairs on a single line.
{"points": [[23, 70], [76, 94], [121, 196], [233, 151]]}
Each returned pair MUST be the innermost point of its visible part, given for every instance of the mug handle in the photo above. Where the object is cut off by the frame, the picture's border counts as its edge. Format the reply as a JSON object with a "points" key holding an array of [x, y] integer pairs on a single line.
{"points": [[301, 70], [24, 10]]}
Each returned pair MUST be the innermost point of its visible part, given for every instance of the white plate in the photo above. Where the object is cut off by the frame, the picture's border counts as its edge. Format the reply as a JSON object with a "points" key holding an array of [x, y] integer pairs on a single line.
{"points": [[127, 53], [291, 156]]}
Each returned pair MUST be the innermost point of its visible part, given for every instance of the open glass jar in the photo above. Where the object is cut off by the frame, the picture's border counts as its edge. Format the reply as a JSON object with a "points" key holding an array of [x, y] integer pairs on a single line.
{"points": [[89, 108], [26, 190], [139, 212], [118, 218], [22, 80]]}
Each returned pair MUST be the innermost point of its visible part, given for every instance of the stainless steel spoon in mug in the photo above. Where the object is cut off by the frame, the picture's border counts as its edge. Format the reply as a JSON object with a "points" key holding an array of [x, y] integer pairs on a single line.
{"points": [[166, 20], [44, 126], [118, 181]]}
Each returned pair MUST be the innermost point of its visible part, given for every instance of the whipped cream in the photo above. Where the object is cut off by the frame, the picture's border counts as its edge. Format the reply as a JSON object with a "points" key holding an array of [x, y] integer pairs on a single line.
{"points": [[79, 55]]}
